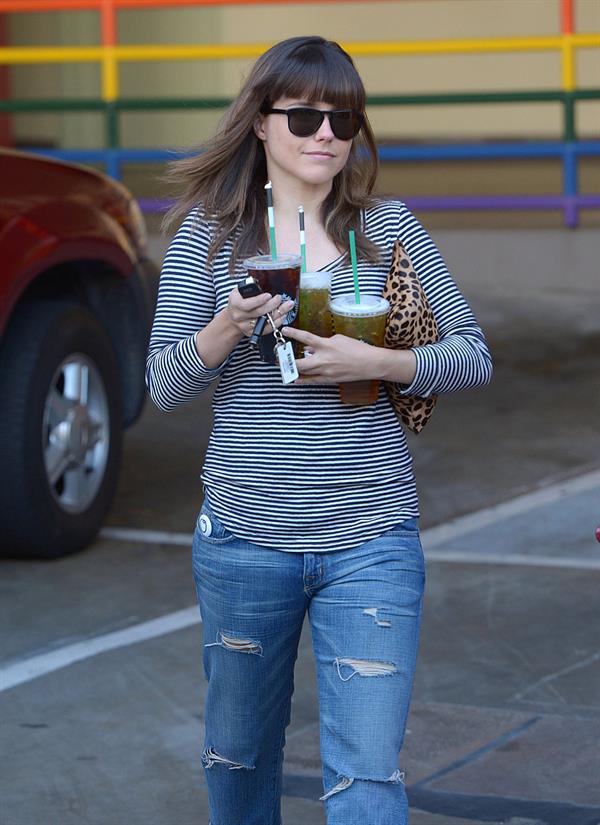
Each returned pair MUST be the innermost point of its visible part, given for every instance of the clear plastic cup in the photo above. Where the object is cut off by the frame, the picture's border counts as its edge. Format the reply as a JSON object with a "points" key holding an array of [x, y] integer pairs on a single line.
{"points": [[314, 314], [280, 276], [365, 322]]}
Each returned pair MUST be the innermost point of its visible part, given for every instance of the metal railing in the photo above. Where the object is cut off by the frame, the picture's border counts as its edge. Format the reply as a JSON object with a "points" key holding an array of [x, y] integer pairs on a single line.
{"points": [[110, 55]]}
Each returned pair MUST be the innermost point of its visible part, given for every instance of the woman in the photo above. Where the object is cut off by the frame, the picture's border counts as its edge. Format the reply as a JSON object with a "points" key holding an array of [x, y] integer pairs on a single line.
{"points": [[310, 506]]}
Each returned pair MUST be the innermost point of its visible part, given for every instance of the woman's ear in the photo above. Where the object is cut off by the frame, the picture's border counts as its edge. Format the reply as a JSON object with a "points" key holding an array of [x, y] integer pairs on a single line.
{"points": [[259, 128]]}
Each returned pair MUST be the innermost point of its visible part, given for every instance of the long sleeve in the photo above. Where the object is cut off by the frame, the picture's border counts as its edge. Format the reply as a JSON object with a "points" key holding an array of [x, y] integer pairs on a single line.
{"points": [[461, 358], [186, 301]]}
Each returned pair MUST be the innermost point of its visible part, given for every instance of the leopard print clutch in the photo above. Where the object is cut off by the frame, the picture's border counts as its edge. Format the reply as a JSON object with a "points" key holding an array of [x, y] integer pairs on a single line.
{"points": [[410, 323]]}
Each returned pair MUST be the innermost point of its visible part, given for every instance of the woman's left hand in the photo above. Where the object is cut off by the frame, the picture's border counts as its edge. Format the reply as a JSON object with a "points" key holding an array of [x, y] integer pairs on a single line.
{"points": [[335, 359], [339, 358]]}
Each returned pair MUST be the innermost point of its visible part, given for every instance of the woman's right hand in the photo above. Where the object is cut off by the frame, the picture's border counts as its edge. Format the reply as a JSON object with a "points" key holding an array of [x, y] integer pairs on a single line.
{"points": [[244, 312]]}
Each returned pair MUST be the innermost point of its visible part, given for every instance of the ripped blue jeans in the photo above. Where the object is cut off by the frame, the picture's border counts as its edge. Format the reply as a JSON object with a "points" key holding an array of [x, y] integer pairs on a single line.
{"points": [[364, 606]]}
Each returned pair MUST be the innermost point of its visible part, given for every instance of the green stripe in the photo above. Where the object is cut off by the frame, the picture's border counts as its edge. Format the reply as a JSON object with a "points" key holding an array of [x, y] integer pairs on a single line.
{"points": [[157, 104], [111, 126], [58, 105]]}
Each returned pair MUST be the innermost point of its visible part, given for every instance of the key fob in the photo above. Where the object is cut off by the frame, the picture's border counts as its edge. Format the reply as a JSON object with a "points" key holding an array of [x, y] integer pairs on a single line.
{"points": [[248, 288]]}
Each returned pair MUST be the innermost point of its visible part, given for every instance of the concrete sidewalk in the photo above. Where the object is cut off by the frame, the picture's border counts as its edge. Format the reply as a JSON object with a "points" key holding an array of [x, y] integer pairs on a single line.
{"points": [[505, 721]]}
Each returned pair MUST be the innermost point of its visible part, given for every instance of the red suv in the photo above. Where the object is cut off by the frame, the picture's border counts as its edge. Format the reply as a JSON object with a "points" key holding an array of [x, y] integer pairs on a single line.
{"points": [[76, 297]]}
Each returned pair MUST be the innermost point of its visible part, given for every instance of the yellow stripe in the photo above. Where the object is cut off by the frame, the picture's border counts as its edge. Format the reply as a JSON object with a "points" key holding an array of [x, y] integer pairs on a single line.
{"points": [[509, 44], [223, 52], [110, 75], [65, 54], [189, 52], [373, 48], [585, 39]]}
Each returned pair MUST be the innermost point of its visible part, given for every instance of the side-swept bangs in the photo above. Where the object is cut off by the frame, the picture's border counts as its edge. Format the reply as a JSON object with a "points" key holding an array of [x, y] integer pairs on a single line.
{"points": [[316, 70]]}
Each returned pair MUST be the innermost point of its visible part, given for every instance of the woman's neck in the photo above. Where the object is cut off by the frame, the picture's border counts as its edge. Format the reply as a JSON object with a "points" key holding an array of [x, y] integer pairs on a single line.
{"points": [[288, 195]]}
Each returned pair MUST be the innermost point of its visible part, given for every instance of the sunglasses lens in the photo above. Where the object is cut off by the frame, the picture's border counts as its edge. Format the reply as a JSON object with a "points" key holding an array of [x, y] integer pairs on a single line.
{"points": [[304, 122], [345, 125]]}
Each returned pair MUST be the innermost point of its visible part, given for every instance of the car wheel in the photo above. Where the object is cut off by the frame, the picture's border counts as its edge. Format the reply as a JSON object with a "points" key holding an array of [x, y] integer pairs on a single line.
{"points": [[60, 430]]}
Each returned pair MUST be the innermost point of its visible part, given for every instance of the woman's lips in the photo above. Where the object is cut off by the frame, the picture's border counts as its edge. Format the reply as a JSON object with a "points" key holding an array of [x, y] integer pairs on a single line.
{"points": [[323, 155]]}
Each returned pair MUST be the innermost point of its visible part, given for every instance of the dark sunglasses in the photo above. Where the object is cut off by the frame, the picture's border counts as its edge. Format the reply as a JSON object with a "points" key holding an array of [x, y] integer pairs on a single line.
{"points": [[303, 121]]}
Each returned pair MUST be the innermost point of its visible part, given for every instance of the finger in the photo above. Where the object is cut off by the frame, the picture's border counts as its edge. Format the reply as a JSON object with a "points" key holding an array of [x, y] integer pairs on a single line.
{"points": [[278, 308], [249, 304], [303, 336], [280, 316], [308, 365], [249, 327]]}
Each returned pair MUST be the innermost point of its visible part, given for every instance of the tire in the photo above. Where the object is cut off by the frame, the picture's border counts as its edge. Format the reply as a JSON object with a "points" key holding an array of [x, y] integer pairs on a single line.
{"points": [[60, 430]]}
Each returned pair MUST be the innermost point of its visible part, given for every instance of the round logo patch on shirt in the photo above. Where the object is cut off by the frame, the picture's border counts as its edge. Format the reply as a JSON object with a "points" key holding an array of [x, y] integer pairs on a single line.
{"points": [[205, 525]]}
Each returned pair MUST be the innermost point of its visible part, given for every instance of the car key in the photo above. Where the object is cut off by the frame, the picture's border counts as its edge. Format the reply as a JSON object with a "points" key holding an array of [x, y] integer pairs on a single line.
{"points": [[248, 288]]}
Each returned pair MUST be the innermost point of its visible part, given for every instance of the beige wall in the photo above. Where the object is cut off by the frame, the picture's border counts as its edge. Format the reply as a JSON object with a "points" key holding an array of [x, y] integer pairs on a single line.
{"points": [[401, 20]]}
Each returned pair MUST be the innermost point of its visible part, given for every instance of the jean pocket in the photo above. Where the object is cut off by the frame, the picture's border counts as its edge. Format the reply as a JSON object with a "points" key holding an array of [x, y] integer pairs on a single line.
{"points": [[209, 529]]}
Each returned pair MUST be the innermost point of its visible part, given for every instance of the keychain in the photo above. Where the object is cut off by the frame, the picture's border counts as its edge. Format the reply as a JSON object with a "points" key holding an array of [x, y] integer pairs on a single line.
{"points": [[285, 355]]}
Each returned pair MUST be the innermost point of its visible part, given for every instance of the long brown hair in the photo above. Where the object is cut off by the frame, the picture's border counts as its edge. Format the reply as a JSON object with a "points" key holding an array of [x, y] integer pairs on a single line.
{"points": [[228, 175]]}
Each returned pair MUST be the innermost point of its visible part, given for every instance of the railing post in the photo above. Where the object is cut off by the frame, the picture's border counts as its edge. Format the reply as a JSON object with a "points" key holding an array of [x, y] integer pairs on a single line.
{"points": [[110, 85], [570, 185]]}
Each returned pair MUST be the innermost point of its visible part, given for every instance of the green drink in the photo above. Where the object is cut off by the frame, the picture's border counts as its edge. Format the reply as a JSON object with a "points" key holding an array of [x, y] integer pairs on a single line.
{"points": [[314, 314], [365, 322]]}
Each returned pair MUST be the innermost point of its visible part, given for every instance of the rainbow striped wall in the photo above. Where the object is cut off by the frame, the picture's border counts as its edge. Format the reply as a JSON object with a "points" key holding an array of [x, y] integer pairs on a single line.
{"points": [[110, 55]]}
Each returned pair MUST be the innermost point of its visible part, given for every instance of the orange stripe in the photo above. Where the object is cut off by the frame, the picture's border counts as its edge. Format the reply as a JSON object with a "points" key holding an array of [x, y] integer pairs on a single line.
{"points": [[47, 5], [74, 5], [132, 4], [108, 22], [567, 15]]}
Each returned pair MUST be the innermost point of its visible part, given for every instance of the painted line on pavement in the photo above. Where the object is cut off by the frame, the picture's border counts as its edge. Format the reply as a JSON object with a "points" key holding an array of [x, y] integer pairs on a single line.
{"points": [[507, 509], [146, 536], [513, 560], [18, 673], [44, 663]]}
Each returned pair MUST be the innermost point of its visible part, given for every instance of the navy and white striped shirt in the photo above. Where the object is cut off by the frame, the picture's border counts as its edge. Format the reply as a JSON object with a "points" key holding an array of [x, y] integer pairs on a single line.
{"points": [[290, 467]]}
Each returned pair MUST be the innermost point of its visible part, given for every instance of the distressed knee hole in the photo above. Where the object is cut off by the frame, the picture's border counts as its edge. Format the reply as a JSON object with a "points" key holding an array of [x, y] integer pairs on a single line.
{"points": [[346, 781], [372, 611], [239, 645], [347, 668], [210, 757]]}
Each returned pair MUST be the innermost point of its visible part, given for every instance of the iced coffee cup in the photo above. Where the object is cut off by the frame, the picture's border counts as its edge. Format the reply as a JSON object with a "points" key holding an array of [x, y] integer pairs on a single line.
{"points": [[314, 314], [365, 322], [279, 276]]}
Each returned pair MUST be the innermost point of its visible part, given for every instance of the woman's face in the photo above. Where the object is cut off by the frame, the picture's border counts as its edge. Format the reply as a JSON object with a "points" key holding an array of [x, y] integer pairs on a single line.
{"points": [[313, 160]]}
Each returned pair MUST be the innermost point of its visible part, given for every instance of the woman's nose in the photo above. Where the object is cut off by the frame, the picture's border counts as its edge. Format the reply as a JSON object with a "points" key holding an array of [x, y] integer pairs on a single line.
{"points": [[324, 131]]}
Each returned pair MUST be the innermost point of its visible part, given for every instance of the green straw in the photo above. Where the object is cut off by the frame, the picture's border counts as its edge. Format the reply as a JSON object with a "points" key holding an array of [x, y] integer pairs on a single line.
{"points": [[354, 267], [271, 213], [302, 237]]}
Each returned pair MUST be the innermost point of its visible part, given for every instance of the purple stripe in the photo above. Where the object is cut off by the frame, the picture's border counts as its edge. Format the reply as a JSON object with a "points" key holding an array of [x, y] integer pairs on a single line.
{"points": [[456, 203], [588, 201], [154, 204], [488, 202]]}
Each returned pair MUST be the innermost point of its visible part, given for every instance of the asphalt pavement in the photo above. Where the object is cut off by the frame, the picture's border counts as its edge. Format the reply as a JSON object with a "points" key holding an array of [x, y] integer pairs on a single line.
{"points": [[101, 688]]}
